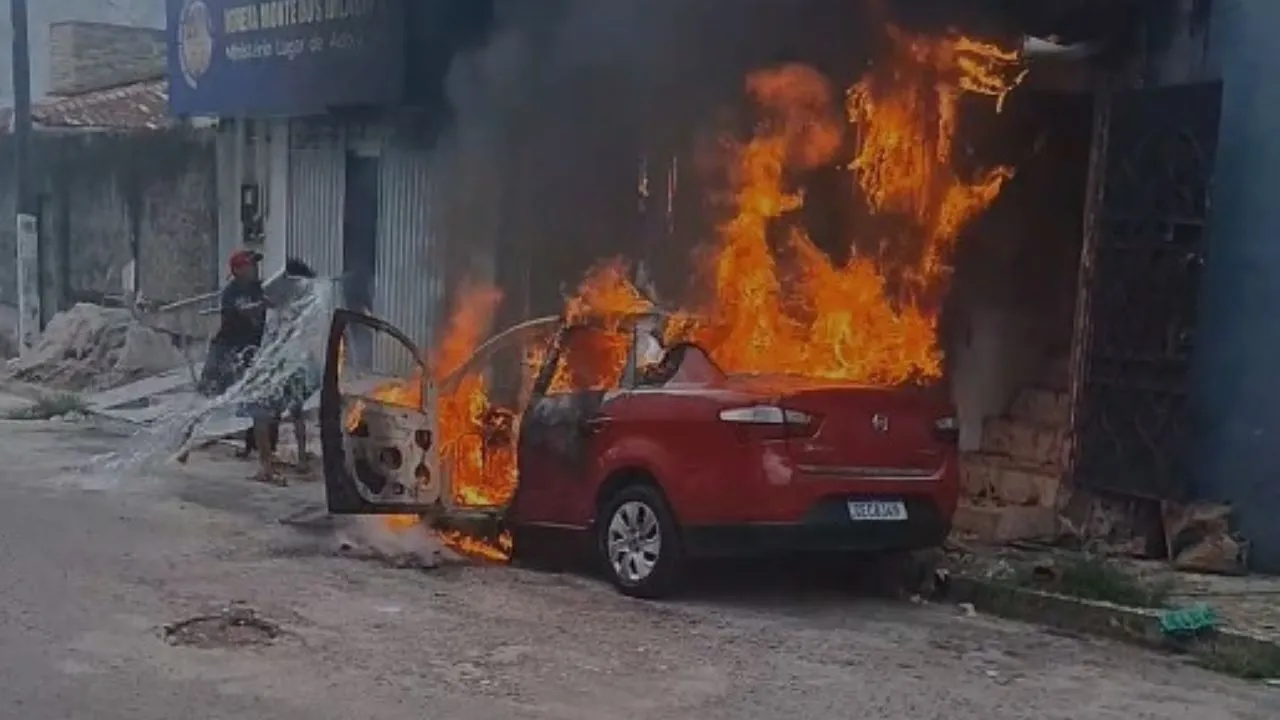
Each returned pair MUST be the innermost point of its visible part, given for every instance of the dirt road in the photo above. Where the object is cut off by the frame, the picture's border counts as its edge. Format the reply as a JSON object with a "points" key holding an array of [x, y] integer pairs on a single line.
{"points": [[91, 568]]}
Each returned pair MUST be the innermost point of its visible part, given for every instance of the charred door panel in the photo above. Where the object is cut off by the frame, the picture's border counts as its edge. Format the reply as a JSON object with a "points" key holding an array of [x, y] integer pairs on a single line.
{"points": [[377, 434], [557, 430], [559, 427], [1142, 284]]}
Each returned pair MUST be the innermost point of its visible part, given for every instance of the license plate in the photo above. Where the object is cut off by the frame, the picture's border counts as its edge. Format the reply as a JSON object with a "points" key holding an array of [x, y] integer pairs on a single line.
{"points": [[880, 510]]}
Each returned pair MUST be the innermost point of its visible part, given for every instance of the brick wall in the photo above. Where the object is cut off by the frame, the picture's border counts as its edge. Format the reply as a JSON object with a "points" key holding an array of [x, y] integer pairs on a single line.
{"points": [[90, 56], [137, 13]]}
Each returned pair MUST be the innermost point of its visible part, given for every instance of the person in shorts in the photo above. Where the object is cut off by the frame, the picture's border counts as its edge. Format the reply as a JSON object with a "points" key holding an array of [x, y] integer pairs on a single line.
{"points": [[291, 394]]}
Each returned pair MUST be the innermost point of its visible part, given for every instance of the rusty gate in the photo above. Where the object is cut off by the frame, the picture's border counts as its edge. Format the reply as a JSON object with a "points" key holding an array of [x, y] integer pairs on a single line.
{"points": [[1140, 287]]}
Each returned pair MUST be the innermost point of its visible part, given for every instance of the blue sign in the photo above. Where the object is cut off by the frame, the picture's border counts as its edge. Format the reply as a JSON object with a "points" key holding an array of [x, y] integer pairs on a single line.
{"points": [[284, 57]]}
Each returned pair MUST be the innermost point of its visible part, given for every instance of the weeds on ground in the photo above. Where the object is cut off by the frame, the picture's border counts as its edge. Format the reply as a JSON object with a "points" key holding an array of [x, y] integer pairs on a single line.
{"points": [[49, 407], [1090, 577], [1244, 663]]}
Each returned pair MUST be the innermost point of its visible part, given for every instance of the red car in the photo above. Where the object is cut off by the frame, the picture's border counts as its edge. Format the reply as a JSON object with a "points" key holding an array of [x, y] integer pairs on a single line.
{"points": [[670, 461]]}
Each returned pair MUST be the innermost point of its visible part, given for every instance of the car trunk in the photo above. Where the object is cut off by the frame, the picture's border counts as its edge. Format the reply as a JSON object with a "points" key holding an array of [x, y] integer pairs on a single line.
{"points": [[864, 432]]}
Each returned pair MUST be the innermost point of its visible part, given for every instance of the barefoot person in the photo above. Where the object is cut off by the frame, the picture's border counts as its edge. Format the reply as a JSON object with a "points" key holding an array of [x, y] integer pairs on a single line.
{"points": [[289, 394]]}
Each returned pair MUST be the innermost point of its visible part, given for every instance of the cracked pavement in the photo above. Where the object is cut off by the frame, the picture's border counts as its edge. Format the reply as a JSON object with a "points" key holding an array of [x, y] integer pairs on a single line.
{"points": [[92, 568]]}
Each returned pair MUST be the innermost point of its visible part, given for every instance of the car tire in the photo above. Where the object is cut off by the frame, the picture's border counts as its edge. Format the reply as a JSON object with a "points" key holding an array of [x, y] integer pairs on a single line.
{"points": [[638, 543]]}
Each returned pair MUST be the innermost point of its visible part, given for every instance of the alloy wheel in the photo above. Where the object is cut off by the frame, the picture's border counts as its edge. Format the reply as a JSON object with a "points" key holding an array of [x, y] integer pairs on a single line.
{"points": [[634, 541]]}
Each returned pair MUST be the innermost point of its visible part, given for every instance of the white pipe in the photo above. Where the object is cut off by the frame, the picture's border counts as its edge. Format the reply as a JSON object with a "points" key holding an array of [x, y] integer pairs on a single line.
{"points": [[1034, 48]]}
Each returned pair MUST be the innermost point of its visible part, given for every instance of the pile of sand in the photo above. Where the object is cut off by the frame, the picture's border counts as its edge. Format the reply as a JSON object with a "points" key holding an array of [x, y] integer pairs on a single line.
{"points": [[93, 347]]}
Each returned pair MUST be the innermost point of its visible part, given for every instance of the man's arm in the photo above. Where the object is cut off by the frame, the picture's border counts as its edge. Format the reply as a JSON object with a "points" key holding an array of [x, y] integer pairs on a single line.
{"points": [[260, 296]]}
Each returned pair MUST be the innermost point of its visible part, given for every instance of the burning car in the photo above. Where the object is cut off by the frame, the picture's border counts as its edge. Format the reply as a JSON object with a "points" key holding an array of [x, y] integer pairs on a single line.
{"points": [[643, 445]]}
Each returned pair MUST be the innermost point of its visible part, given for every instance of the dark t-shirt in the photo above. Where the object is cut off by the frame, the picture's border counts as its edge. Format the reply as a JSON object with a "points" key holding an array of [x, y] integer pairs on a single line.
{"points": [[244, 314]]}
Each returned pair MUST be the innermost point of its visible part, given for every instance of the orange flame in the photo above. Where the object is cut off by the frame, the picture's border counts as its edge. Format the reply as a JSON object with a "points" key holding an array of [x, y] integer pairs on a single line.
{"points": [[800, 312], [471, 547], [482, 472], [906, 116], [779, 304]]}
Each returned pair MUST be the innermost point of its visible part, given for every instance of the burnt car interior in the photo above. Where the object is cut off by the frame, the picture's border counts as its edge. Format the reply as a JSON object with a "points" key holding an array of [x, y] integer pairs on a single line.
{"points": [[684, 363], [378, 425], [567, 396]]}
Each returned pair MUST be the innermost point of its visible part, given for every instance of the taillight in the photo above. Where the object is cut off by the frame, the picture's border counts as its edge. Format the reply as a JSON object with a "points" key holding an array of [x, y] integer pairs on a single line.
{"points": [[947, 429], [772, 422]]}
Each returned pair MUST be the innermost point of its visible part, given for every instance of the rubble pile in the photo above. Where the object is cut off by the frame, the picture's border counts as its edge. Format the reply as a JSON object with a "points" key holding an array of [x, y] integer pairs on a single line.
{"points": [[95, 347], [1199, 538]]}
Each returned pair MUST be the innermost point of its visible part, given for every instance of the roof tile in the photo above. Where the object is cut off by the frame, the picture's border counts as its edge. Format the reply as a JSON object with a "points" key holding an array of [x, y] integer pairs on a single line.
{"points": [[137, 106]]}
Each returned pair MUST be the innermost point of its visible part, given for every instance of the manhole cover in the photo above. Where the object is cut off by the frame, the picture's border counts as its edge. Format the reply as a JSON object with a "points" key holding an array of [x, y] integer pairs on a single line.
{"points": [[233, 627]]}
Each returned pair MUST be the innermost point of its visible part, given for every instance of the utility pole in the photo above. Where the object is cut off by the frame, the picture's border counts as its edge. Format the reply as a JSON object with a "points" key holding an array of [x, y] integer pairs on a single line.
{"points": [[24, 199]]}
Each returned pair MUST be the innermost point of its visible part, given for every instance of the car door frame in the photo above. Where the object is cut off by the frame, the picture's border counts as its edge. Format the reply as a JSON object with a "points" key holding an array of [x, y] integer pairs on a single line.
{"points": [[341, 494]]}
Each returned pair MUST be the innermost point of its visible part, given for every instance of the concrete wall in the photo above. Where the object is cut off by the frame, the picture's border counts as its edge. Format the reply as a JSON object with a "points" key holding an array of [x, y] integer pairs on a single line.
{"points": [[43, 13], [113, 203], [177, 224], [1236, 392], [1009, 315]]}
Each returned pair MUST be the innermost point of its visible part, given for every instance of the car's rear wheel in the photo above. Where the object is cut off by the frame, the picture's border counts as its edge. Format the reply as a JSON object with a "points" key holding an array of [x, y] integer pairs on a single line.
{"points": [[638, 542]]}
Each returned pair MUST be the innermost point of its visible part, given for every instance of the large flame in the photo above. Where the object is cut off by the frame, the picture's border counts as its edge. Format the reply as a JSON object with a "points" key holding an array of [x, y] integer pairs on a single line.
{"points": [[906, 117], [776, 302]]}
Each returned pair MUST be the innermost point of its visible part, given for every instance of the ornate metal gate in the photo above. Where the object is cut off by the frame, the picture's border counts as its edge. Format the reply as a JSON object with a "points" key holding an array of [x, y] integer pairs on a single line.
{"points": [[1140, 283]]}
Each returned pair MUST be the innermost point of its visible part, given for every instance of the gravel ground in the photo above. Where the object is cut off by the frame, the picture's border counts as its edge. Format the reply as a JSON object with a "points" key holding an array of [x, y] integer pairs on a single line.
{"points": [[93, 567]]}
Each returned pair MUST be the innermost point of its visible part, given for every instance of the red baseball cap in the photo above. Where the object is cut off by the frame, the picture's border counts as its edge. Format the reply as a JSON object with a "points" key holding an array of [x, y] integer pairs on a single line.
{"points": [[241, 258]]}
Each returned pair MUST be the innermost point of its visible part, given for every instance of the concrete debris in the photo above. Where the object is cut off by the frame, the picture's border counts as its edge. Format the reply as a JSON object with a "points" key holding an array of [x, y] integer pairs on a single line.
{"points": [[1199, 539], [146, 352], [90, 346], [1112, 526]]}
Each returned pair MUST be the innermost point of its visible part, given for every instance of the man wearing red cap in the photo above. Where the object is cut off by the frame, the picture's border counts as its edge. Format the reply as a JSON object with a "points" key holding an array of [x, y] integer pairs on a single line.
{"points": [[243, 303], [244, 318]]}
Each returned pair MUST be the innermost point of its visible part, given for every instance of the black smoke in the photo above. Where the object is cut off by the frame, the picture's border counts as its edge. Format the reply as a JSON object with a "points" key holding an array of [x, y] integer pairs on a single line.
{"points": [[553, 105], [554, 111]]}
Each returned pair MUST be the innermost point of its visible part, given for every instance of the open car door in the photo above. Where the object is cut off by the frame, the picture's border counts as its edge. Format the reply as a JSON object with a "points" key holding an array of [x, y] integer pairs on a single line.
{"points": [[378, 426]]}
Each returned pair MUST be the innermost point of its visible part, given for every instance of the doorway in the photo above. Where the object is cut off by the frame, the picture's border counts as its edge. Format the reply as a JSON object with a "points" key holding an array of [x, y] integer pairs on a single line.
{"points": [[360, 246]]}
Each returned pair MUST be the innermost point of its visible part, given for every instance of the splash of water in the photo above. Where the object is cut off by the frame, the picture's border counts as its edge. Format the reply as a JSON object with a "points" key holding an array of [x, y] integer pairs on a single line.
{"points": [[295, 342]]}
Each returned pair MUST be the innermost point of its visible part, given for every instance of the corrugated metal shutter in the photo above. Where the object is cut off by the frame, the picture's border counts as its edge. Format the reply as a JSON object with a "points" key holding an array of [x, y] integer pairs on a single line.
{"points": [[317, 182], [408, 291]]}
